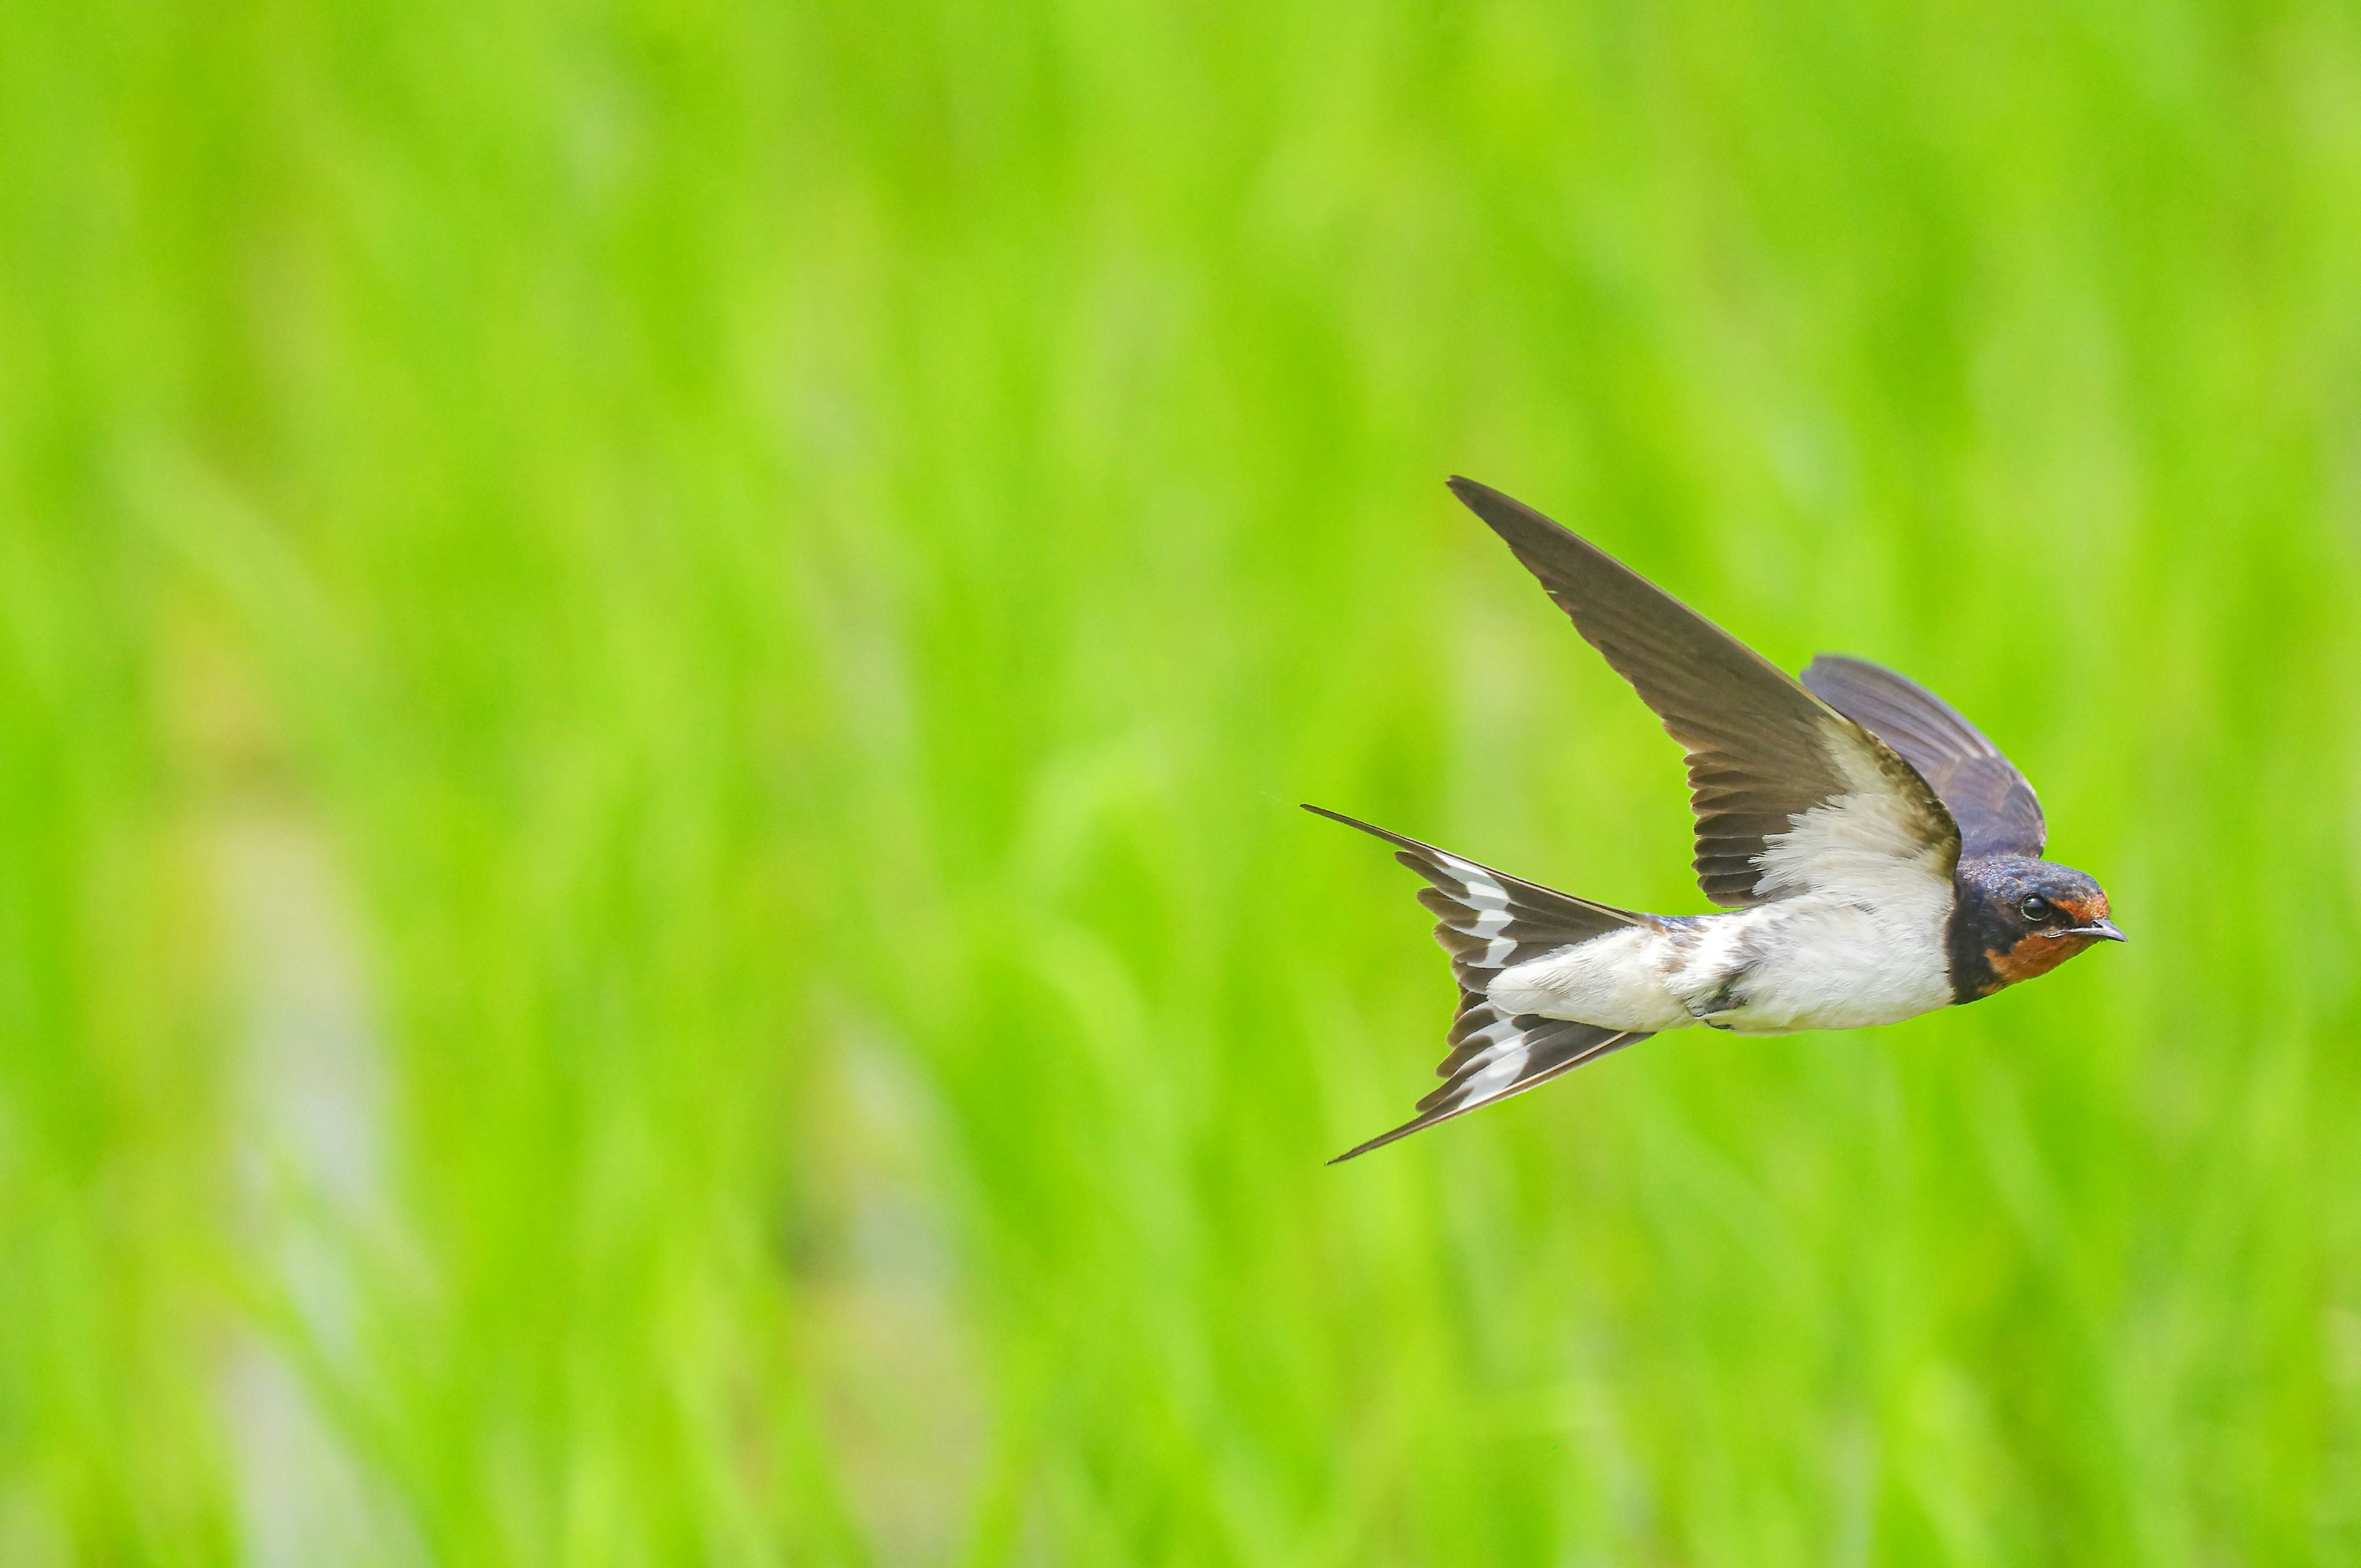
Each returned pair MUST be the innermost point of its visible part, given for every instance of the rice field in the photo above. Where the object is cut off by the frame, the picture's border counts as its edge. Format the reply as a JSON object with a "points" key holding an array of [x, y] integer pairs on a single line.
{"points": [[654, 666]]}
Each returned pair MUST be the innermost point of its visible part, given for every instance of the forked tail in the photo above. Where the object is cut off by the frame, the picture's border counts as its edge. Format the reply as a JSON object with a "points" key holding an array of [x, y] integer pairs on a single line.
{"points": [[1488, 921]]}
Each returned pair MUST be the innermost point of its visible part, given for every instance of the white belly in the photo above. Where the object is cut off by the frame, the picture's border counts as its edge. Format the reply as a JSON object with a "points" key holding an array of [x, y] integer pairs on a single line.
{"points": [[1819, 961], [1824, 963]]}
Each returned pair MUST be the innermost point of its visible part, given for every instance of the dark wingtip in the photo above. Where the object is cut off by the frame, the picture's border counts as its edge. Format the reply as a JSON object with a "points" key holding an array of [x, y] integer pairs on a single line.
{"points": [[1524, 530]]}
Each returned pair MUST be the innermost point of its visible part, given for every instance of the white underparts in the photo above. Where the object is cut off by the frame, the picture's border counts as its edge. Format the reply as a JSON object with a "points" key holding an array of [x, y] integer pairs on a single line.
{"points": [[1818, 961]]}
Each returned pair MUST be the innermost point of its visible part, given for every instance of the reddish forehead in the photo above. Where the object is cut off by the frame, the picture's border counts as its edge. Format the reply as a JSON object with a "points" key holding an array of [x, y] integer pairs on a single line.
{"points": [[2085, 909]]}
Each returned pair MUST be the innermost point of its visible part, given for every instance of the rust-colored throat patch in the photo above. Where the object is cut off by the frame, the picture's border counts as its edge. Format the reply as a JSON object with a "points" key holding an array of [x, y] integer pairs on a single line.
{"points": [[2037, 955]]}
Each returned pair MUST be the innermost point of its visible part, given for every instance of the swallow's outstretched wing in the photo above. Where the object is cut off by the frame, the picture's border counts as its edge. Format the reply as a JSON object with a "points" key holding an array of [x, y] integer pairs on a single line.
{"points": [[1991, 801], [1790, 795]]}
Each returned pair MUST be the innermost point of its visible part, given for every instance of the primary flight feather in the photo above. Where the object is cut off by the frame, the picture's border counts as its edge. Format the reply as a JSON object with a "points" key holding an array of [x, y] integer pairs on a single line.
{"points": [[1876, 856]]}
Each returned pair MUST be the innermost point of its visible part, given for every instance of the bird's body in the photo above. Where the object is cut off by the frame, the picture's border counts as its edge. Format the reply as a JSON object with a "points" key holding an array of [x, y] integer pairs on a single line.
{"points": [[1823, 961], [1884, 857]]}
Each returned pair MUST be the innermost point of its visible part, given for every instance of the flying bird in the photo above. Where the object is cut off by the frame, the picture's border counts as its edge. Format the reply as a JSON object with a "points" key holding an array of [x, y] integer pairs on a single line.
{"points": [[1877, 857]]}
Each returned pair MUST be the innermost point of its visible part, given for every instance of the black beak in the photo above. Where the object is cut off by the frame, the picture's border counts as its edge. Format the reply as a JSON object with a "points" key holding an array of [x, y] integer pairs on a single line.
{"points": [[2104, 930]]}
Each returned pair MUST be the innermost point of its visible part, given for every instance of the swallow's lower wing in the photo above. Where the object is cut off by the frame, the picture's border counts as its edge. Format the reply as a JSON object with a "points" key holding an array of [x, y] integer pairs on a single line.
{"points": [[1789, 794], [1987, 796]]}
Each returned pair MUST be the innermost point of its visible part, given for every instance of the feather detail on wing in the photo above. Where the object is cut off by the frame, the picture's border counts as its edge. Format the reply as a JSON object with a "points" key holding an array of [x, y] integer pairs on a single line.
{"points": [[1994, 806], [1789, 794]]}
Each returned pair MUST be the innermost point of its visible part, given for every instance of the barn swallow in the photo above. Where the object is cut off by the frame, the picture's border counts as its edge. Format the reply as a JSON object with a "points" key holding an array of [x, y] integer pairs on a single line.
{"points": [[1877, 857]]}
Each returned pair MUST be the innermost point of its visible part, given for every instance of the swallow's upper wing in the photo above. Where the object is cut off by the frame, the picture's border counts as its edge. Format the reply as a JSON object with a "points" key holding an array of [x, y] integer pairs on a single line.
{"points": [[1987, 796], [1768, 760]]}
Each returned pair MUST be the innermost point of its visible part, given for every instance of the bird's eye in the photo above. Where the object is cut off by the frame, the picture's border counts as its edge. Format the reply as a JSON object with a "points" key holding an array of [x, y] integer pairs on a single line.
{"points": [[2035, 908]]}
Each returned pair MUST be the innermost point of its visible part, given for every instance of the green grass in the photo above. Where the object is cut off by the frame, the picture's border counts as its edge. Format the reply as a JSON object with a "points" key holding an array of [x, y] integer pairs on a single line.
{"points": [[653, 667]]}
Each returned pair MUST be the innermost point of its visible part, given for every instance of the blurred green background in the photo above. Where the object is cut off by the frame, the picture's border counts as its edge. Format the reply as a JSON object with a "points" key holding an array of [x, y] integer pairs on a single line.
{"points": [[654, 661]]}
